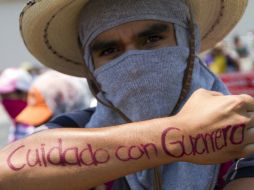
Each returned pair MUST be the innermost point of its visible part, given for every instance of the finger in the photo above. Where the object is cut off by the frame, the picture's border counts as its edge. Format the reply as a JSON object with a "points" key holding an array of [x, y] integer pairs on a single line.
{"points": [[249, 136], [250, 123], [205, 91], [249, 102], [248, 150], [215, 93]]}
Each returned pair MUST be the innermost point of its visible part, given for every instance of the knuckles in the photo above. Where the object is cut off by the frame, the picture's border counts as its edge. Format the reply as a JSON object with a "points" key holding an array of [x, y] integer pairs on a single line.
{"points": [[200, 92], [243, 120], [235, 152], [238, 102]]}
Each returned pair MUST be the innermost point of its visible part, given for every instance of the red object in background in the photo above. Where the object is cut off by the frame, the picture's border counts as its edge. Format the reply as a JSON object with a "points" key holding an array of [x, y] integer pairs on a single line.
{"points": [[239, 83]]}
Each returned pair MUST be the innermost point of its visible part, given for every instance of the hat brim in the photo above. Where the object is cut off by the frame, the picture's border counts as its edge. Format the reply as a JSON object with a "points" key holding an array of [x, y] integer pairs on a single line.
{"points": [[34, 115], [50, 29]]}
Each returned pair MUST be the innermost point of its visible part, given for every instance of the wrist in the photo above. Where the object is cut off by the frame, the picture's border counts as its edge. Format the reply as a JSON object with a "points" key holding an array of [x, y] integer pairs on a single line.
{"points": [[171, 145]]}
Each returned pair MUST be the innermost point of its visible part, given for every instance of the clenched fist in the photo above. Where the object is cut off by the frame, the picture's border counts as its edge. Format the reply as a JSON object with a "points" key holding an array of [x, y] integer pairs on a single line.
{"points": [[213, 129]]}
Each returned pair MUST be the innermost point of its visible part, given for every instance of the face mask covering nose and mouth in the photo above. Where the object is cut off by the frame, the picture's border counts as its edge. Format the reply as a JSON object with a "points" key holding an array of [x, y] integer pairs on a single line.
{"points": [[13, 107], [144, 84]]}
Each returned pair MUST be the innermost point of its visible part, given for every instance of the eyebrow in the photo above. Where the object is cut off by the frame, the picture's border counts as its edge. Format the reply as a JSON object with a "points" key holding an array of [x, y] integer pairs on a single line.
{"points": [[101, 45], [157, 28]]}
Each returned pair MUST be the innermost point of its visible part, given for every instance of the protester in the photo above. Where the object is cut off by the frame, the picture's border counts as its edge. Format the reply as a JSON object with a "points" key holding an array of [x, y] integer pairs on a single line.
{"points": [[52, 94], [14, 84], [220, 60], [140, 60], [34, 69], [240, 48], [246, 62]]}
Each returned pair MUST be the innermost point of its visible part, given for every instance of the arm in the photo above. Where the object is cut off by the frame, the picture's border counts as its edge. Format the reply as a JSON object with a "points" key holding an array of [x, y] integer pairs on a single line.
{"points": [[240, 184], [82, 158]]}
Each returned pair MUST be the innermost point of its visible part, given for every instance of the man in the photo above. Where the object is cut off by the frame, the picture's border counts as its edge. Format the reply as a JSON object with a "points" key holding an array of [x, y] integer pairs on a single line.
{"points": [[243, 53], [139, 61]]}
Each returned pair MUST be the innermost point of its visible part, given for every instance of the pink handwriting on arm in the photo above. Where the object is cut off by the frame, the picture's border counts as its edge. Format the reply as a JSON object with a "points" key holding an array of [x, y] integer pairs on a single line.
{"points": [[10, 161], [200, 143], [57, 156], [124, 153], [89, 156]]}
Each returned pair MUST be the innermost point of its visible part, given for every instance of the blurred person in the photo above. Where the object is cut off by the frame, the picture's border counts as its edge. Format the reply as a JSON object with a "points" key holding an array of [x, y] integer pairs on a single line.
{"points": [[246, 64], [34, 69], [220, 61], [218, 64], [240, 48], [52, 94], [14, 84]]}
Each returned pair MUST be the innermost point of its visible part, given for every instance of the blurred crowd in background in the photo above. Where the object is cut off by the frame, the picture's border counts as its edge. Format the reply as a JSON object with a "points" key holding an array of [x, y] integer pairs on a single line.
{"points": [[32, 95], [236, 55], [233, 62]]}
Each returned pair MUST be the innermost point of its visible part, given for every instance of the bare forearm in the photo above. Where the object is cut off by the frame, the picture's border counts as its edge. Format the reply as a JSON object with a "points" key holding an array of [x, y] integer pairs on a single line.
{"points": [[218, 131], [83, 158]]}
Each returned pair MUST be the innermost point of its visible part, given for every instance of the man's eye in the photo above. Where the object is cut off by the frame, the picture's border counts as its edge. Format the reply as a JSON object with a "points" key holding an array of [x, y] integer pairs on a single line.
{"points": [[109, 51], [152, 39]]}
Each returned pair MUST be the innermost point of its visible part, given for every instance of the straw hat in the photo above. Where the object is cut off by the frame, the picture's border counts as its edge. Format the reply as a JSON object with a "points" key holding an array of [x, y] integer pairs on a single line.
{"points": [[50, 29]]}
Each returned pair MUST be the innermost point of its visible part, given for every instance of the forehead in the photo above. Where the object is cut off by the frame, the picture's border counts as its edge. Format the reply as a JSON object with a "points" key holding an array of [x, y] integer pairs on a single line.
{"points": [[131, 28]]}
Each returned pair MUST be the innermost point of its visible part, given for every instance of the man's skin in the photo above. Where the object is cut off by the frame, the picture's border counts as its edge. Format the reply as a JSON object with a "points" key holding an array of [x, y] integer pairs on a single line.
{"points": [[138, 35], [80, 159], [241, 184]]}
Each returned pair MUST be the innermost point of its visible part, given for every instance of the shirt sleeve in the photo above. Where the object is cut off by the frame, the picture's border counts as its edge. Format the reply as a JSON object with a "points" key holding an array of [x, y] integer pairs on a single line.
{"points": [[76, 119]]}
